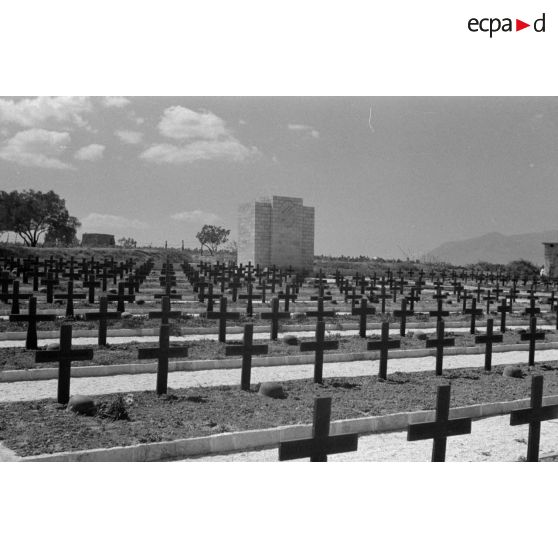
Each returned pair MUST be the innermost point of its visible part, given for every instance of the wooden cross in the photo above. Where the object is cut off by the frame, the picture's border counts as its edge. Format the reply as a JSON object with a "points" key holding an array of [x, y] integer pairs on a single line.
{"points": [[532, 311], [441, 428], [532, 337], [102, 316], [69, 298], [16, 296], [384, 345], [321, 444], [165, 313], [120, 298], [439, 313], [162, 354], [402, 315], [489, 300], [5, 281], [274, 316], [223, 316], [439, 342], [32, 318], [474, 313], [383, 297], [533, 416], [319, 346], [362, 311], [503, 308], [104, 276], [50, 282], [249, 297], [64, 357], [412, 298], [210, 297], [246, 351], [488, 339], [320, 313], [91, 284]]}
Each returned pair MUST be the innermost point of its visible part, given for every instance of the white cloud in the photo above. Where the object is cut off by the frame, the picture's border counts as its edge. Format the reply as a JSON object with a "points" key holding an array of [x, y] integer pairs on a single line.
{"points": [[39, 110], [185, 124], [196, 216], [115, 102], [129, 136], [98, 222], [36, 148], [226, 150], [92, 152], [304, 128]]}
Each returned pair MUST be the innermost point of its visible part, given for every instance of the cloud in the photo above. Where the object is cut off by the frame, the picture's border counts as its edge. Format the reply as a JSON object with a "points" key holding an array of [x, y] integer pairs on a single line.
{"points": [[199, 136], [129, 136], [38, 111], [36, 148], [185, 124], [115, 102], [226, 150], [304, 128], [106, 222], [92, 152], [196, 216]]}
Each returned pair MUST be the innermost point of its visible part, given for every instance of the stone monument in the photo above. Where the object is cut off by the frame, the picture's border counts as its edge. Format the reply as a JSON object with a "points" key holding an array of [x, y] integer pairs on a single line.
{"points": [[551, 259], [96, 240], [277, 231]]}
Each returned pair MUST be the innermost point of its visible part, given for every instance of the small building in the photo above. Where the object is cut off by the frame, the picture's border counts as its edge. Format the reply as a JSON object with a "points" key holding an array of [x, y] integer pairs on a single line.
{"points": [[96, 240], [277, 231], [551, 259]]}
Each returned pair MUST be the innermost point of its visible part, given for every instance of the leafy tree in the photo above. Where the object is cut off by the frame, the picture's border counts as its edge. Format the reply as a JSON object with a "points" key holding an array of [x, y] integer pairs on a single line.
{"points": [[212, 236], [127, 242], [31, 214], [523, 268]]}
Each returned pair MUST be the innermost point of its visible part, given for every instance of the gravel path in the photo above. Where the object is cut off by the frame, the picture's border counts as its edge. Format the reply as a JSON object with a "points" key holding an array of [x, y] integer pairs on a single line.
{"points": [[25, 391], [491, 439]]}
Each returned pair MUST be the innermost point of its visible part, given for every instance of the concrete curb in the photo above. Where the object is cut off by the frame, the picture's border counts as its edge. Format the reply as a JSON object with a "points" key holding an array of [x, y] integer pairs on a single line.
{"points": [[260, 439], [41, 374], [344, 326]]}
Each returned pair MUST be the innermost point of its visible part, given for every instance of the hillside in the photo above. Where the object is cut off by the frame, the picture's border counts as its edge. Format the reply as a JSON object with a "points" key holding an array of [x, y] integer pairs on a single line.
{"points": [[494, 248]]}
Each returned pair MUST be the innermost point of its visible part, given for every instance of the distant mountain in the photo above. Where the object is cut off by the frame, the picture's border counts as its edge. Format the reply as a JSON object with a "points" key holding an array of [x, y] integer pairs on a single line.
{"points": [[494, 248]]}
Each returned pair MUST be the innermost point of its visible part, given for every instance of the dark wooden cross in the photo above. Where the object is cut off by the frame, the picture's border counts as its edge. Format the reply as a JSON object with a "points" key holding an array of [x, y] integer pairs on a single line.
{"points": [[532, 310], [69, 297], [274, 316], [440, 342], [104, 276], [32, 318], [246, 351], [102, 316], [474, 311], [120, 298], [249, 297], [287, 296], [441, 428], [402, 315], [439, 313], [320, 313], [210, 296], [489, 300], [163, 353], [50, 282], [412, 298], [321, 444], [532, 337], [16, 296], [223, 316], [383, 297], [5, 281], [64, 357], [363, 311], [383, 346], [533, 416], [488, 339], [165, 313], [319, 346], [503, 309], [91, 284]]}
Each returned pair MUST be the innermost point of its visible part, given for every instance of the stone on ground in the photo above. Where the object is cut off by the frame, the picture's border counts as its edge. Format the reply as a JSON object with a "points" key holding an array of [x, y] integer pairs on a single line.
{"points": [[82, 405], [290, 340], [513, 371], [272, 389]]}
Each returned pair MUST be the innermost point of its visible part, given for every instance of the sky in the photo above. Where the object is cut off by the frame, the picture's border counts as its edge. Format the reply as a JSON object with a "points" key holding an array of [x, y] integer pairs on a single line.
{"points": [[388, 176]]}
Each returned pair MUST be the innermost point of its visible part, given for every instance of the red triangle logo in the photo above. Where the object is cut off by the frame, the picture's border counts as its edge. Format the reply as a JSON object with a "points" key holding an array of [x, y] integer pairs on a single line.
{"points": [[519, 25]]}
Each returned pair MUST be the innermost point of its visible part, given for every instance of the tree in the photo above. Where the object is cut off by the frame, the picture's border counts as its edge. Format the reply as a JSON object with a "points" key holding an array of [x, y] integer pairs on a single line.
{"points": [[127, 242], [31, 214], [212, 236]]}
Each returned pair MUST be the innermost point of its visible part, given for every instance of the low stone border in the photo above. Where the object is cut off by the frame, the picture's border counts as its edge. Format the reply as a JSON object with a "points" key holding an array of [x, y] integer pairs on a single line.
{"points": [[41, 374], [141, 332], [269, 437]]}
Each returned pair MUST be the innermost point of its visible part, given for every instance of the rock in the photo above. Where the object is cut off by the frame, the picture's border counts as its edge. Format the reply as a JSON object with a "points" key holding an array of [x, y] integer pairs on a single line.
{"points": [[513, 371], [140, 301], [290, 340], [272, 389], [53, 347], [126, 315], [82, 405], [420, 335]]}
